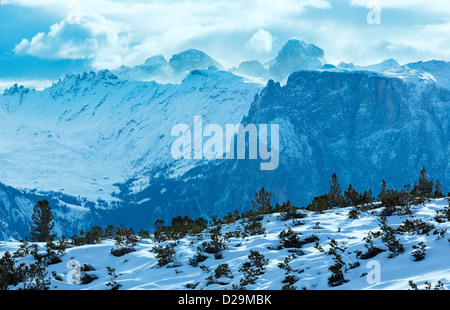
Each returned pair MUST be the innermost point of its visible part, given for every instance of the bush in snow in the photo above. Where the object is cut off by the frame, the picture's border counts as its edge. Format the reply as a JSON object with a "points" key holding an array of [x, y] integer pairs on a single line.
{"points": [[254, 228], [290, 239], [289, 282], [438, 287], [52, 254], [199, 257], [231, 218], [288, 211], [144, 234], [8, 272], [285, 264], [388, 236], [112, 283], [222, 271], [353, 214], [165, 254], [443, 215], [215, 246], [125, 241], [180, 227], [415, 226], [352, 198], [33, 276], [253, 268], [332, 199], [419, 252], [372, 250], [339, 267]]}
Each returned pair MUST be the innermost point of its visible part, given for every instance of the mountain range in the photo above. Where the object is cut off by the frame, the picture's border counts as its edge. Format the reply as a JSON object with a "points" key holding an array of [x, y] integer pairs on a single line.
{"points": [[97, 145]]}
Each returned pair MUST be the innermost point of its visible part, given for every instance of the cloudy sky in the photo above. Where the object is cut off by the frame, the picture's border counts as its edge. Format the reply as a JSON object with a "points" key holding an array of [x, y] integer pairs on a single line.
{"points": [[42, 40]]}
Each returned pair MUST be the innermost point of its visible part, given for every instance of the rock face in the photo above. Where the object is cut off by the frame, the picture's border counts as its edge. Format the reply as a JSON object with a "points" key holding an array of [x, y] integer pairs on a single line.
{"points": [[364, 126], [361, 125]]}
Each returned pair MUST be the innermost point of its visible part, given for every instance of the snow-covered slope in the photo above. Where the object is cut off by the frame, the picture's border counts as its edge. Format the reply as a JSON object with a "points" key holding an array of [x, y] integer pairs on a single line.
{"points": [[428, 72], [385, 65], [86, 133], [140, 270]]}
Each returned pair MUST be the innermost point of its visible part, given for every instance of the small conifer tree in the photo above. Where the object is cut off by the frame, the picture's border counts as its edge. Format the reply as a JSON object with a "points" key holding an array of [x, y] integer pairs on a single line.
{"points": [[438, 190], [351, 197], [423, 187], [383, 190], [334, 195], [262, 204], [42, 225]]}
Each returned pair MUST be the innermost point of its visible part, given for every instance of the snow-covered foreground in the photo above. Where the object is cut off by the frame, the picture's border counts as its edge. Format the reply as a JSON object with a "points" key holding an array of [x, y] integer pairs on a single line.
{"points": [[139, 270]]}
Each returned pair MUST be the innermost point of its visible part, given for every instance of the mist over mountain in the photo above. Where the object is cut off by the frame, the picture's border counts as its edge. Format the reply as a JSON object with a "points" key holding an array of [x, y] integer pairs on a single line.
{"points": [[157, 68], [99, 143]]}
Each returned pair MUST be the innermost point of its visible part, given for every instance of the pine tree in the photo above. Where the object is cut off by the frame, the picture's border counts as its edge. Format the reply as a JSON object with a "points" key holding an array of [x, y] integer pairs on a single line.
{"points": [[334, 197], [438, 190], [351, 197], [261, 204], [366, 197], [40, 229], [383, 190], [423, 187]]}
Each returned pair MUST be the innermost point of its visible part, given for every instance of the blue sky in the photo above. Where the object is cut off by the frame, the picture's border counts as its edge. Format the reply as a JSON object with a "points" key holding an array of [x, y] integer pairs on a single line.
{"points": [[43, 40]]}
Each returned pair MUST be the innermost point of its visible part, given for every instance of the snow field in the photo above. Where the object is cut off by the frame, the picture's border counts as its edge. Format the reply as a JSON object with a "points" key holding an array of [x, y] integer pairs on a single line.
{"points": [[139, 270]]}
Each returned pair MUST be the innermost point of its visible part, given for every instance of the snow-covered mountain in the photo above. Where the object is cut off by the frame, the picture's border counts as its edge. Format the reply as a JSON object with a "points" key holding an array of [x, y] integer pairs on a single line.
{"points": [[154, 68], [157, 68], [295, 55], [433, 71], [362, 125], [100, 144], [251, 68], [86, 134], [428, 72], [380, 67], [302, 265]]}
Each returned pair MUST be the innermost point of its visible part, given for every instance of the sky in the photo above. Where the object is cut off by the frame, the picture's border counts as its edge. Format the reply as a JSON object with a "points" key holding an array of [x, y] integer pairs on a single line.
{"points": [[43, 40]]}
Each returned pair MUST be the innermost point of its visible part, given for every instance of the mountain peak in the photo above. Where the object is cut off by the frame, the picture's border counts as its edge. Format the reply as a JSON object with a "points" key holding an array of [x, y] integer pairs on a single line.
{"points": [[296, 55], [106, 75], [155, 60], [16, 89], [192, 59], [251, 68]]}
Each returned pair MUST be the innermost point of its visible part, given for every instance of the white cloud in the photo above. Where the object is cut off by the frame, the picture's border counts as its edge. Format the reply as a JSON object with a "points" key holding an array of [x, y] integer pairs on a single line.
{"points": [[127, 32], [112, 33], [95, 38], [261, 41], [430, 6]]}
